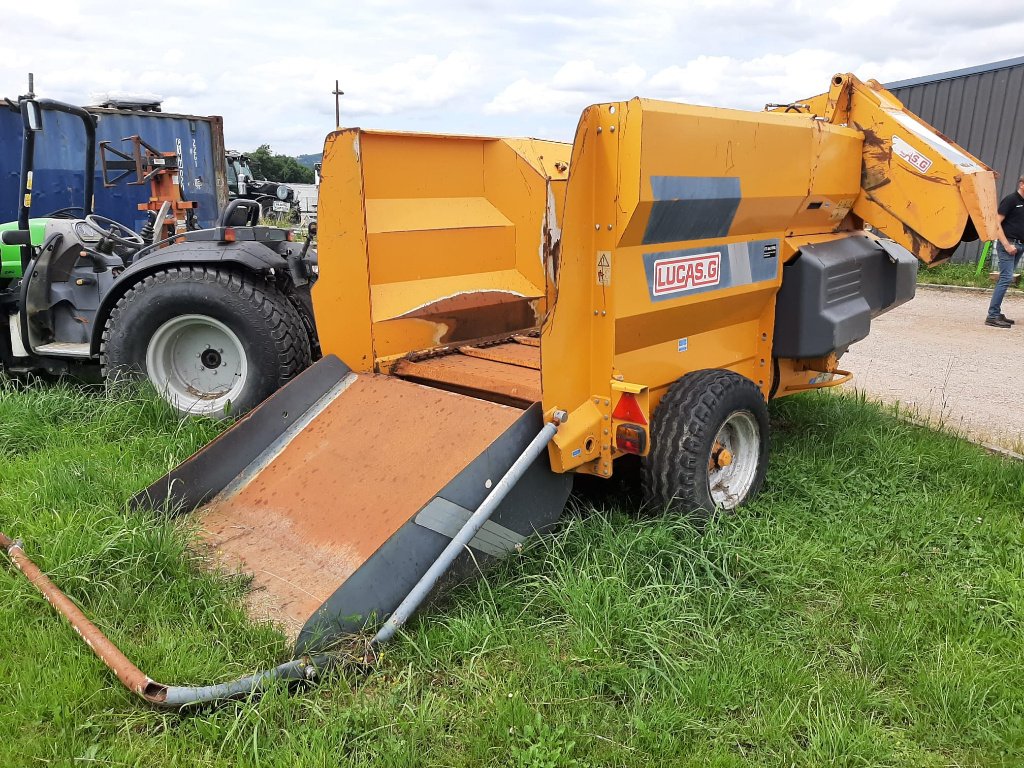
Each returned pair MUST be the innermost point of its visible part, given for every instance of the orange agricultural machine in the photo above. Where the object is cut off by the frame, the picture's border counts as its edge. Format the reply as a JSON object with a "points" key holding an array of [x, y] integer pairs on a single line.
{"points": [[497, 315]]}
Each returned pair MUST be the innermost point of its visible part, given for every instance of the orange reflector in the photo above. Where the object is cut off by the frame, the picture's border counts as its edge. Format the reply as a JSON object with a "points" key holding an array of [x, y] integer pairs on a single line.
{"points": [[229, 235], [630, 438], [628, 409]]}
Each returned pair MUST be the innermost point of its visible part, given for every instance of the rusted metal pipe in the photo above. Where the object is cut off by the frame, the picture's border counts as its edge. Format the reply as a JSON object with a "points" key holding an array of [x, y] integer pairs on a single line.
{"points": [[133, 678]]}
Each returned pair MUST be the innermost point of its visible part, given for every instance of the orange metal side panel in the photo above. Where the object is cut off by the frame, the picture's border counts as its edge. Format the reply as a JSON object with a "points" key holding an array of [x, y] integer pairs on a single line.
{"points": [[423, 223], [341, 295], [343, 486]]}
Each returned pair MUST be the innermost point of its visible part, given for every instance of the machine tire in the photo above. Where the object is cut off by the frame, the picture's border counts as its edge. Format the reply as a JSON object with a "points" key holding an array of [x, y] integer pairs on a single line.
{"points": [[250, 330], [702, 413]]}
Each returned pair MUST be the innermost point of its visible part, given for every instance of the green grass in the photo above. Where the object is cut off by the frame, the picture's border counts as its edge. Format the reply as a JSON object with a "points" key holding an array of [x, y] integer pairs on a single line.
{"points": [[955, 274], [864, 611]]}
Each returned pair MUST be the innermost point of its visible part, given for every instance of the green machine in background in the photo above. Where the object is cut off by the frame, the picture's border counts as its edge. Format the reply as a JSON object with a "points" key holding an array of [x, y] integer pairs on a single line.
{"points": [[10, 255], [983, 258]]}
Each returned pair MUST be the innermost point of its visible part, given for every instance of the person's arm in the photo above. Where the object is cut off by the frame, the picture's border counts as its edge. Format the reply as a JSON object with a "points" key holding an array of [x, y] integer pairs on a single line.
{"points": [[1010, 247]]}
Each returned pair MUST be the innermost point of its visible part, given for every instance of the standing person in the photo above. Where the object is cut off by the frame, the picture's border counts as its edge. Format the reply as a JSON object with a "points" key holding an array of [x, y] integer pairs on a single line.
{"points": [[1008, 249]]}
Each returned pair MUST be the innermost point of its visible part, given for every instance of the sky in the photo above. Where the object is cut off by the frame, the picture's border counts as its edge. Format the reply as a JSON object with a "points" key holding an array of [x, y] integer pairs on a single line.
{"points": [[513, 68]]}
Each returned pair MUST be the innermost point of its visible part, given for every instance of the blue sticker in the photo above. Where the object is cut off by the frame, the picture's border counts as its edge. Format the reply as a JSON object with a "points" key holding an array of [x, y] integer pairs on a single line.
{"points": [[683, 343], [577, 452]]}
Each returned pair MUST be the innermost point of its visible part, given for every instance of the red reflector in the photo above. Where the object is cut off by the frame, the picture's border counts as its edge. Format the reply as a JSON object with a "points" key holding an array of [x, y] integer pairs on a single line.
{"points": [[628, 409], [229, 235], [630, 438]]}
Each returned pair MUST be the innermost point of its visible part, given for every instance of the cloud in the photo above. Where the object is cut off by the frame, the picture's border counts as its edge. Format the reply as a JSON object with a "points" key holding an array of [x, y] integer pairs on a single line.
{"points": [[480, 66]]}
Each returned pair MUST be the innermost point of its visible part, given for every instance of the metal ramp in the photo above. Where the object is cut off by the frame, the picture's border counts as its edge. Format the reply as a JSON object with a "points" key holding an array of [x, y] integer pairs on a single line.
{"points": [[340, 491]]}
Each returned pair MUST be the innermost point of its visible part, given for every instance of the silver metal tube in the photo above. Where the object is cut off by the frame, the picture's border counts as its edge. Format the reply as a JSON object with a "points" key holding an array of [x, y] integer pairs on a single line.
{"points": [[305, 668], [465, 534]]}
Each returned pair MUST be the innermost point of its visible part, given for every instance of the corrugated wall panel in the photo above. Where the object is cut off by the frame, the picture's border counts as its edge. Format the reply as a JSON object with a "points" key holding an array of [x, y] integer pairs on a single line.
{"points": [[60, 159], [982, 112]]}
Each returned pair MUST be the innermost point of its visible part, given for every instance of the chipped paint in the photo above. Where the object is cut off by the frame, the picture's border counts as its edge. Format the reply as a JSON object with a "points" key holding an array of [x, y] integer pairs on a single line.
{"points": [[550, 236]]}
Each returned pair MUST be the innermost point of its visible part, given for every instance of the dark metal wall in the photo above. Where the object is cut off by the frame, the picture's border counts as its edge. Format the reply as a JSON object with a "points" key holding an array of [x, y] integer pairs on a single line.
{"points": [[982, 110], [60, 161]]}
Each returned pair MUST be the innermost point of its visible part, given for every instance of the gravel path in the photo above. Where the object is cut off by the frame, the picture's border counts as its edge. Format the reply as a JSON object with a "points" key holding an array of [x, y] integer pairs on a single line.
{"points": [[935, 356]]}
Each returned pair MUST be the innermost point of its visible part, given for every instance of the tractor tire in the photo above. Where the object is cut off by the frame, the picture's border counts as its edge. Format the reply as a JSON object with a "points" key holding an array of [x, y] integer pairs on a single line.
{"points": [[212, 341], [709, 445]]}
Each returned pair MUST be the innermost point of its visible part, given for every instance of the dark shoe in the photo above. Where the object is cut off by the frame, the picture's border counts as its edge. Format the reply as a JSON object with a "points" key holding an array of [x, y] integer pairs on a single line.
{"points": [[1005, 319], [997, 322]]}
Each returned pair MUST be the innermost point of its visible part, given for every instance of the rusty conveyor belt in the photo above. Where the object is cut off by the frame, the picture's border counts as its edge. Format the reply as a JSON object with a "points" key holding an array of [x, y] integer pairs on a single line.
{"points": [[508, 372]]}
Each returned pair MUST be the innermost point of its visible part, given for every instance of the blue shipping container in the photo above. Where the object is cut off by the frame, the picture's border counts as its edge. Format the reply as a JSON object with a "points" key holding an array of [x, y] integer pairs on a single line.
{"points": [[60, 161]]}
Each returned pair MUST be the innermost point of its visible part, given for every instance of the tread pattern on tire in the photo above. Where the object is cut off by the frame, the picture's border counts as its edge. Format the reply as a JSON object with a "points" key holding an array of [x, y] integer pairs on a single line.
{"points": [[681, 423], [283, 324]]}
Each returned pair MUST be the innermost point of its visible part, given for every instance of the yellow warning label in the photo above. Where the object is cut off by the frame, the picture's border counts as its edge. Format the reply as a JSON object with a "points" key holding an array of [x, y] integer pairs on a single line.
{"points": [[604, 267], [28, 181], [28, 201]]}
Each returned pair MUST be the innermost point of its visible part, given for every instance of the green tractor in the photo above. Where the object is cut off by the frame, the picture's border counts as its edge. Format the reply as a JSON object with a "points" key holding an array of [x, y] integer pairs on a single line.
{"points": [[216, 319]]}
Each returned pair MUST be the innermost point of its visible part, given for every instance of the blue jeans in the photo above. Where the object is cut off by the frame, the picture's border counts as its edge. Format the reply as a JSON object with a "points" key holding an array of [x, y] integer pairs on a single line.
{"points": [[1007, 266]]}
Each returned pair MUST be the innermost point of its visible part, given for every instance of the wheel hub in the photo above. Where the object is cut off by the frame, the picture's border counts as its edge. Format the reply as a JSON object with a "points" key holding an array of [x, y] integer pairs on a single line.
{"points": [[735, 454], [210, 358], [197, 363]]}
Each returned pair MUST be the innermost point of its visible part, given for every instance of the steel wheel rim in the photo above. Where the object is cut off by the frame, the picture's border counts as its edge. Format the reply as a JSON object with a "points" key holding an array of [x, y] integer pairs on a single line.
{"points": [[197, 363], [740, 434]]}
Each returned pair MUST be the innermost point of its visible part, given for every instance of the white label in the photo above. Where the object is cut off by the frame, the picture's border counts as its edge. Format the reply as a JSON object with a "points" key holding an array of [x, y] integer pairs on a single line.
{"points": [[911, 155], [684, 273], [604, 267], [954, 154]]}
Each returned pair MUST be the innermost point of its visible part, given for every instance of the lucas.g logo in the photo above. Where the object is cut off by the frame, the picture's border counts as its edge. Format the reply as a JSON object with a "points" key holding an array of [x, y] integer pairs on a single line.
{"points": [[684, 273]]}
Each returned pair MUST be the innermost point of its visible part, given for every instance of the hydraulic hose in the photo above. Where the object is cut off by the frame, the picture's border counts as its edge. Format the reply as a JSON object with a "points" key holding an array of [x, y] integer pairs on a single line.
{"points": [[133, 678]]}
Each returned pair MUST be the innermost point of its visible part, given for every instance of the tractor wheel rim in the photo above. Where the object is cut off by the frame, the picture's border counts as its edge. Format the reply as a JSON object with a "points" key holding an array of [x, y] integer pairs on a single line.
{"points": [[730, 485], [197, 363]]}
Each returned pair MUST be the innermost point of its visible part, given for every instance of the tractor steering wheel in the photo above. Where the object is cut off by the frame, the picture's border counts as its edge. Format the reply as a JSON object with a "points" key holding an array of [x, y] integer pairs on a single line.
{"points": [[114, 231]]}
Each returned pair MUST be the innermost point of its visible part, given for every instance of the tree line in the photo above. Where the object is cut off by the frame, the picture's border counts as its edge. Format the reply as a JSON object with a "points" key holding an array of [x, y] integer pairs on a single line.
{"points": [[266, 164]]}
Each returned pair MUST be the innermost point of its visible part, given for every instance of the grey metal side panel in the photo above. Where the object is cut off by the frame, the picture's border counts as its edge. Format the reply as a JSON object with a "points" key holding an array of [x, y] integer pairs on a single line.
{"points": [[831, 291], [380, 584]]}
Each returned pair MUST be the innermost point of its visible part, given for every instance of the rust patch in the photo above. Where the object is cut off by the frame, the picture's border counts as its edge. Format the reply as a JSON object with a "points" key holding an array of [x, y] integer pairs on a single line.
{"points": [[481, 378], [342, 487]]}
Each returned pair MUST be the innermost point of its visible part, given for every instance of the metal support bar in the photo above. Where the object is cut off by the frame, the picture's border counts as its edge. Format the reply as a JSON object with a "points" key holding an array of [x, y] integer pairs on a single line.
{"points": [[461, 540]]}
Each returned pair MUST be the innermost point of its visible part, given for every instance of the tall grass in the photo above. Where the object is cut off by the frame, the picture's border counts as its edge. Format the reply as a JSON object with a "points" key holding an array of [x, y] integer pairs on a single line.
{"points": [[864, 610]]}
